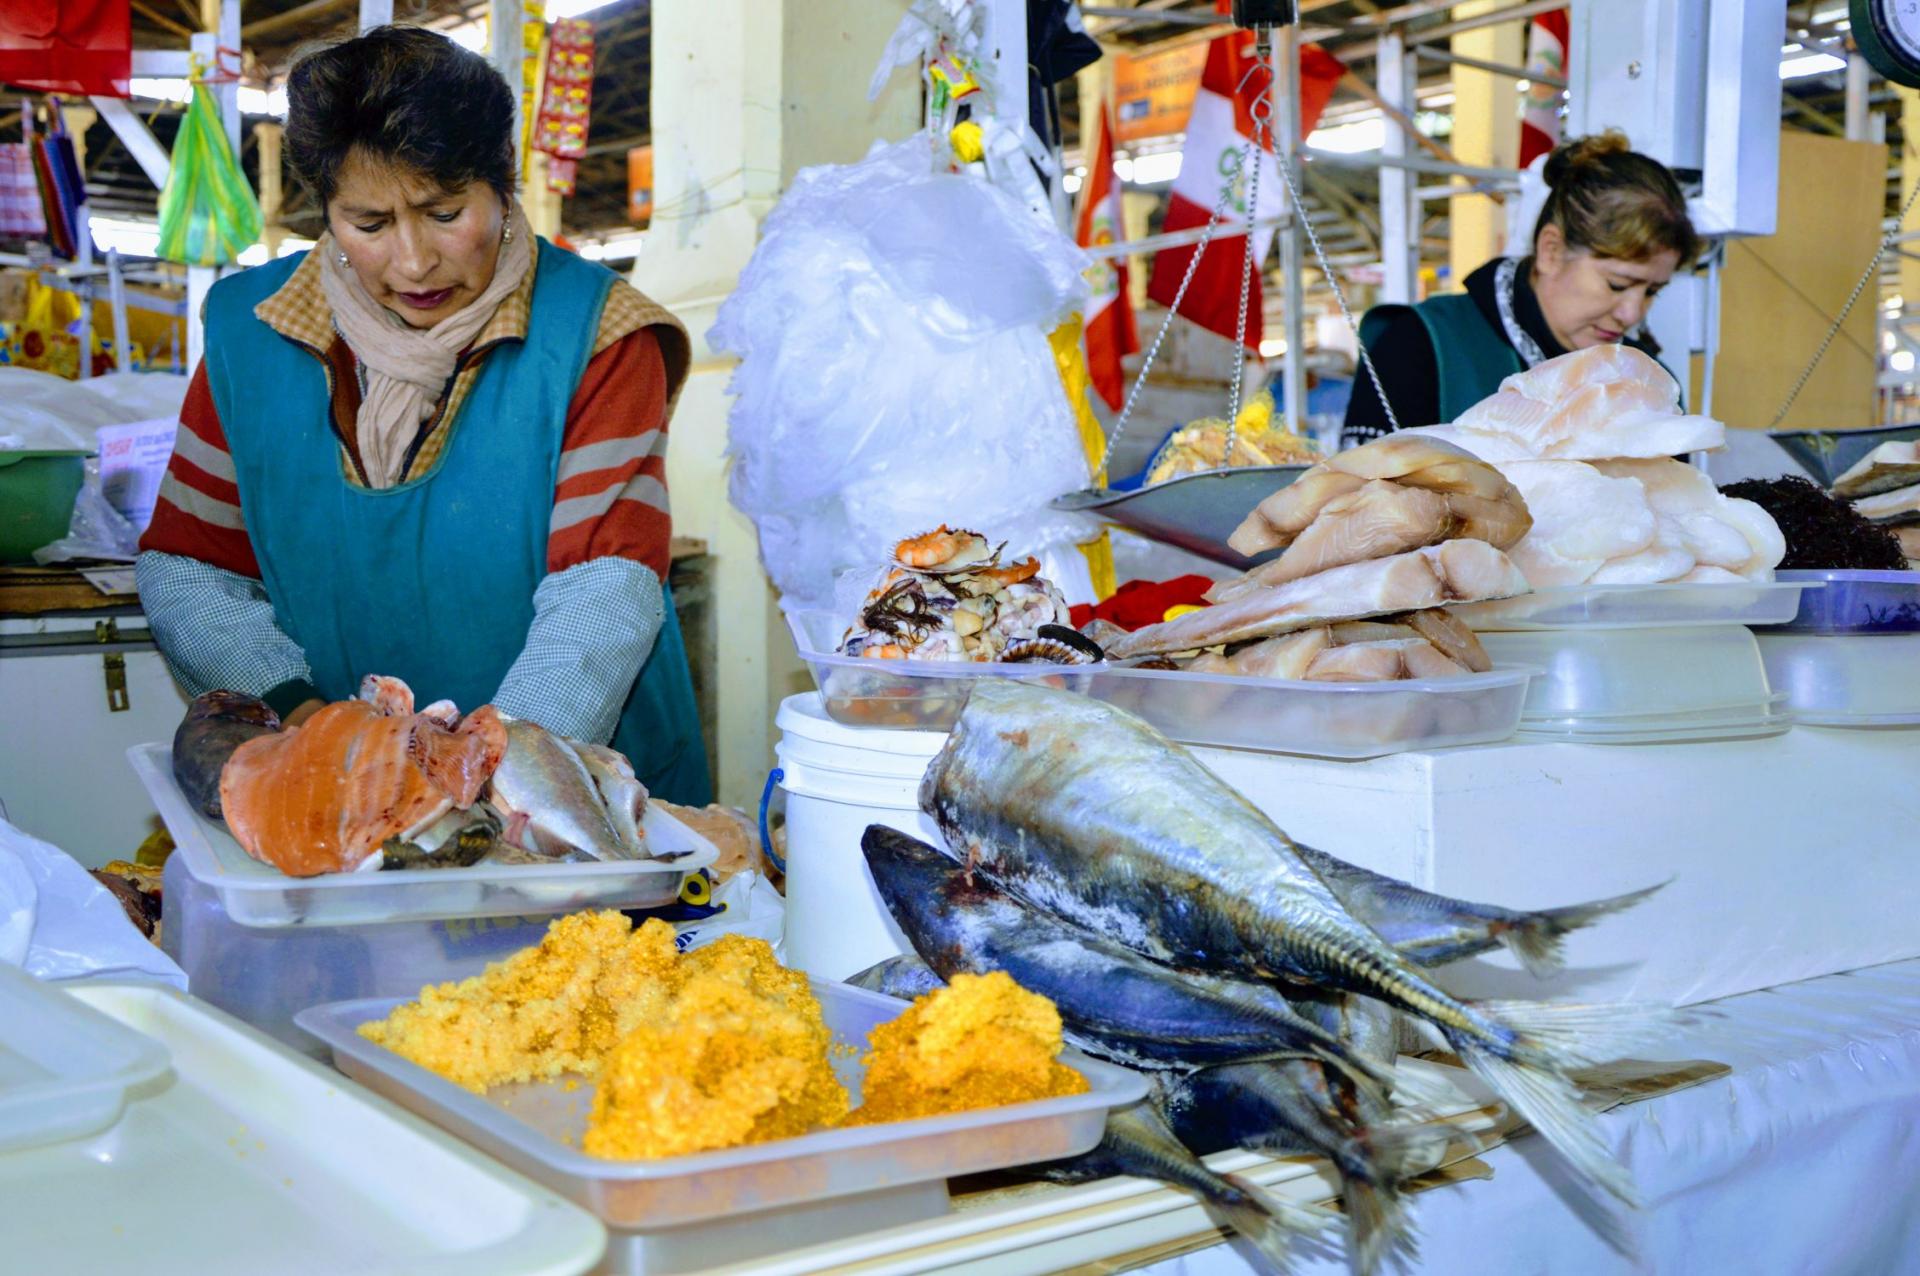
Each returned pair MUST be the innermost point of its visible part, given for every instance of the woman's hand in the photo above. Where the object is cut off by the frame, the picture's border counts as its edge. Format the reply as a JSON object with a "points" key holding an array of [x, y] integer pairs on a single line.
{"points": [[301, 712]]}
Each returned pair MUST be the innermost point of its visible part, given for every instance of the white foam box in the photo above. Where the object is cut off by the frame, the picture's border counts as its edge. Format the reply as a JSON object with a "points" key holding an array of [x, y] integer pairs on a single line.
{"points": [[1790, 857]]}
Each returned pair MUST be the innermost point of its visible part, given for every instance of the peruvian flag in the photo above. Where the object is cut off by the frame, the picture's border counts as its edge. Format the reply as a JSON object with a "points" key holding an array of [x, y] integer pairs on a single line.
{"points": [[1217, 133], [1110, 333], [1546, 55]]}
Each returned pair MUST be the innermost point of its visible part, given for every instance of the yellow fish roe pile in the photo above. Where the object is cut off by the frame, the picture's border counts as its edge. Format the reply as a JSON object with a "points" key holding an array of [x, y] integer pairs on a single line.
{"points": [[738, 1055], [557, 1007], [980, 1042]]}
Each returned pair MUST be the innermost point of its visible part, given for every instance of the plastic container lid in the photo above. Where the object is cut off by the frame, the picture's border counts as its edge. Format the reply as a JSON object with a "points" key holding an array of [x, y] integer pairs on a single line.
{"points": [[1320, 719], [257, 894], [1857, 602], [1870, 680], [535, 1128], [246, 1159], [1769, 719], [65, 1068], [1642, 606], [1647, 675], [910, 695]]}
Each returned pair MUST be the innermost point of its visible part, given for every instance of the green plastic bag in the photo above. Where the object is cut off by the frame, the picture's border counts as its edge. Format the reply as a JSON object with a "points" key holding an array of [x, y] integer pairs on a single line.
{"points": [[208, 214]]}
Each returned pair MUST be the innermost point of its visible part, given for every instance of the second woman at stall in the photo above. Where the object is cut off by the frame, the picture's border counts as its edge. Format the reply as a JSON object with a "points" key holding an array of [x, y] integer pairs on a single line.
{"points": [[432, 447], [1612, 232]]}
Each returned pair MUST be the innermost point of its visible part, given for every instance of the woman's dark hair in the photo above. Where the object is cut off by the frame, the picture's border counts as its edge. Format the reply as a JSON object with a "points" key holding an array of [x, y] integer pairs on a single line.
{"points": [[1615, 202], [406, 96]]}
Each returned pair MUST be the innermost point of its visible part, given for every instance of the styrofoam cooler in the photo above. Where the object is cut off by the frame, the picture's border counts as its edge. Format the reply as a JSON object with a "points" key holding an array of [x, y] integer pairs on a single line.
{"points": [[837, 780]]}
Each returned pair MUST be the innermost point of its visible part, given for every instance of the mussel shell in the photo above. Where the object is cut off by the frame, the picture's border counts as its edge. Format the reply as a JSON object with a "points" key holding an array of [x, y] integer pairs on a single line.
{"points": [[1075, 639]]}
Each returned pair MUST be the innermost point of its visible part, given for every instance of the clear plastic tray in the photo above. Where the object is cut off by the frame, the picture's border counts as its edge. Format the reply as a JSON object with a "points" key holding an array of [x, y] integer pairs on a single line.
{"points": [[1863, 680], [244, 1159], [257, 894], [65, 1069], [911, 695], [1753, 722], [1640, 674], [1641, 606], [1320, 719], [535, 1129], [1857, 602]]}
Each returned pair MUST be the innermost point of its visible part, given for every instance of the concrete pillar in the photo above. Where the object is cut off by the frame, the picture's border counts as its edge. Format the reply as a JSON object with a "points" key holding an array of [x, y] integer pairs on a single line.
{"points": [[1909, 174], [267, 135], [744, 94], [1486, 130]]}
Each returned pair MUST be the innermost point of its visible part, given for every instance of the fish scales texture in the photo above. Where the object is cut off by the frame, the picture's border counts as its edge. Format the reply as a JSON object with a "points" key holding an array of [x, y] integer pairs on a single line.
{"points": [[1086, 812], [1117, 1004]]}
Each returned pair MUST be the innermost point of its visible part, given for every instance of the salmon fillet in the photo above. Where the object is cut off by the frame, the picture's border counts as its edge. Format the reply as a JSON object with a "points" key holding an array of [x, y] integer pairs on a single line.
{"points": [[325, 796]]}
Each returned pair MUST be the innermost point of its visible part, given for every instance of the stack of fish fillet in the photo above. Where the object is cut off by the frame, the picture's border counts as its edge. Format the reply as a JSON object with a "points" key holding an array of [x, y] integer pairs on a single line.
{"points": [[1884, 486], [1261, 984], [1393, 530], [1589, 439]]}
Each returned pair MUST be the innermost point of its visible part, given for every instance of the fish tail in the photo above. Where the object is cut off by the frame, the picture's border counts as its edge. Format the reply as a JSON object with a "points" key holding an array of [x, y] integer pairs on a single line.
{"points": [[1267, 1221], [1534, 939], [1379, 1225], [1526, 1064]]}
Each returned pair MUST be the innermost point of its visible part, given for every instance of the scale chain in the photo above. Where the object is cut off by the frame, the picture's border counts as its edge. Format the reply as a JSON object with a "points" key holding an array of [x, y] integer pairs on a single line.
{"points": [[1250, 165]]}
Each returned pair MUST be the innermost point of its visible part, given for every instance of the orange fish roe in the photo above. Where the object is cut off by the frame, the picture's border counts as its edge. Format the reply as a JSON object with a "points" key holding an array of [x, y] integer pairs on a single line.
{"points": [[560, 1006], [980, 1042], [739, 1055]]}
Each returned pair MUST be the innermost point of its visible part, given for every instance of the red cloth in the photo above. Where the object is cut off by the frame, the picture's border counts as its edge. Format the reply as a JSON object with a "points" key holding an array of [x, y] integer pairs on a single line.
{"points": [[1221, 121], [1547, 44], [67, 46], [1140, 603]]}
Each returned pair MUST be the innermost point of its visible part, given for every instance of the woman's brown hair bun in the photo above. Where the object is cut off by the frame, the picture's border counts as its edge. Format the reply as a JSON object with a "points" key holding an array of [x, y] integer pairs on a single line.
{"points": [[1612, 201]]}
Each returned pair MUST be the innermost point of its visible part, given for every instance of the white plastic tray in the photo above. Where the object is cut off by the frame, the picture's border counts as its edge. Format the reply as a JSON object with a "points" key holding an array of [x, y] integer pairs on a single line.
{"points": [[1861, 680], [1752, 722], [1646, 675], [257, 894], [65, 1069], [535, 1129], [1642, 606], [1319, 719], [247, 1160], [910, 695]]}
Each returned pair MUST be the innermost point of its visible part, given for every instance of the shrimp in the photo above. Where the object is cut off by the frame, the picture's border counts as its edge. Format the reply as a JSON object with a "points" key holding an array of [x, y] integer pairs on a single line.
{"points": [[944, 549]]}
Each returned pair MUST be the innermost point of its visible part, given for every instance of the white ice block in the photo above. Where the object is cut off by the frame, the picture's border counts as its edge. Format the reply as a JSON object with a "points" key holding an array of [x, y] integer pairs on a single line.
{"points": [[1791, 857]]}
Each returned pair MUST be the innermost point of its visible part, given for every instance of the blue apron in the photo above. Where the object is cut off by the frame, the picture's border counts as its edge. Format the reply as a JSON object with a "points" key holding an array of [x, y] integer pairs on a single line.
{"points": [[431, 581]]}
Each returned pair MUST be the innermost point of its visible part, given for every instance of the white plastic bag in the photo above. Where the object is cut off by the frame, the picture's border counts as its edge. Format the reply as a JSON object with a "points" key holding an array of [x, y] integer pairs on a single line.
{"points": [[895, 372], [750, 907], [56, 922], [95, 529]]}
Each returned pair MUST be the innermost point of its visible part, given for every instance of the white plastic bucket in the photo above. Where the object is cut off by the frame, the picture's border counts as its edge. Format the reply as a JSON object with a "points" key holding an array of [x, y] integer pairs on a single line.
{"points": [[837, 780]]}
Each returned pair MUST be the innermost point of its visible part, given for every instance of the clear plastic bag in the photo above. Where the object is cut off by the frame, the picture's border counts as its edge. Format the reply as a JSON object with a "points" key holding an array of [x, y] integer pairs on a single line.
{"points": [[96, 530], [895, 372], [57, 922]]}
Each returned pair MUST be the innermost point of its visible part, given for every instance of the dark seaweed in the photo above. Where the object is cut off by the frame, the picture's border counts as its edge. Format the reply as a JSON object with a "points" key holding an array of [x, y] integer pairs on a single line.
{"points": [[1822, 531]]}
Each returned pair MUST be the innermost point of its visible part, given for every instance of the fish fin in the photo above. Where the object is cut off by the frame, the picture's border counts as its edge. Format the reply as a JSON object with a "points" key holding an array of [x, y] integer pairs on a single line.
{"points": [[1377, 1225], [1534, 940], [1376, 1080], [1548, 1039], [1269, 1222]]}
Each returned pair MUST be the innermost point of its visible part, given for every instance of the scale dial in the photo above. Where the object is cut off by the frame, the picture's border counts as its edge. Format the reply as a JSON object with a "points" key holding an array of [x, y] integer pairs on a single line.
{"points": [[1888, 32]]}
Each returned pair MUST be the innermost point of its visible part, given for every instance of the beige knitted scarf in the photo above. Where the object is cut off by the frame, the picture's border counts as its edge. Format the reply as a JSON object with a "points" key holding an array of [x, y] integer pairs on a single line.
{"points": [[407, 368]]}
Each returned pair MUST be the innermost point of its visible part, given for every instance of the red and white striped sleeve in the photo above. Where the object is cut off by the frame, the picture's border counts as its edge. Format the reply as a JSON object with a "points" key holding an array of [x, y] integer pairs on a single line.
{"points": [[611, 498], [198, 512]]}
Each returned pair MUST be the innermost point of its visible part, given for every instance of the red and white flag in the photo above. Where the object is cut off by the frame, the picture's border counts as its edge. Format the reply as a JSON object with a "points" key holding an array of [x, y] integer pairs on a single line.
{"points": [[1217, 133], [1547, 46], [1110, 333]]}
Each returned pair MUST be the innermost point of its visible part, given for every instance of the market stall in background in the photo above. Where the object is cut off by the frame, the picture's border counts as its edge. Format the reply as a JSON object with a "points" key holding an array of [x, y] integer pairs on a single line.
{"points": [[1158, 828]]}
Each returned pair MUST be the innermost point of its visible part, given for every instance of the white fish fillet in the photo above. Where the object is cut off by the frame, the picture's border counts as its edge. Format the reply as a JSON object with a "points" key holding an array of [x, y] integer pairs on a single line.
{"points": [[1288, 656], [1595, 404], [1434, 576], [1582, 519], [1404, 460], [1693, 517], [1390, 661], [1453, 637], [1887, 467], [1899, 506]]}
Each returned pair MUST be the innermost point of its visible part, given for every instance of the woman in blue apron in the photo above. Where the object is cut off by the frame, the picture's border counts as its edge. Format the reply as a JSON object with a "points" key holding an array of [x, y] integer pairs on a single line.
{"points": [[432, 447], [1612, 232]]}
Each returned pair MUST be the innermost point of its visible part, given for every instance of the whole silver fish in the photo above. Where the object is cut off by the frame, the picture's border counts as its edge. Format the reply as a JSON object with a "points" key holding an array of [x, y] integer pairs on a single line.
{"points": [[543, 779], [1433, 930], [1084, 811]]}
